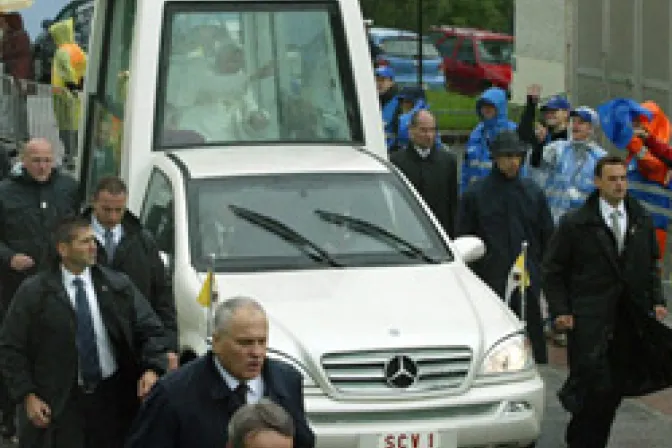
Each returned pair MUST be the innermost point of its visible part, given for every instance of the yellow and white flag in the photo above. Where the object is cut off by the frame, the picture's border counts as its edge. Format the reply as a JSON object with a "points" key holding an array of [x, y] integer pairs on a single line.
{"points": [[204, 297], [519, 278]]}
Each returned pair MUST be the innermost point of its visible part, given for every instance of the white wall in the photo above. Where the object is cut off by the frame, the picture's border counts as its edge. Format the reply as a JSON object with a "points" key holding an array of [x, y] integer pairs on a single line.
{"points": [[541, 46]]}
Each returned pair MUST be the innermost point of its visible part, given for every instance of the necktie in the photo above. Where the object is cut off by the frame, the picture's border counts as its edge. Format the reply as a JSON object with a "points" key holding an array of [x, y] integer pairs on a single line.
{"points": [[616, 228], [241, 394], [109, 245], [89, 362]]}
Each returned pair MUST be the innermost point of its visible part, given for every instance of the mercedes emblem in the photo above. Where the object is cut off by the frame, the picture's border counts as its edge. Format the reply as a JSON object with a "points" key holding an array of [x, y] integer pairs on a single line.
{"points": [[401, 372]]}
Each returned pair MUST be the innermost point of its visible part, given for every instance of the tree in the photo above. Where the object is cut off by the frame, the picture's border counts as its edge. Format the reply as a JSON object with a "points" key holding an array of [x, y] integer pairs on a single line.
{"points": [[495, 15]]}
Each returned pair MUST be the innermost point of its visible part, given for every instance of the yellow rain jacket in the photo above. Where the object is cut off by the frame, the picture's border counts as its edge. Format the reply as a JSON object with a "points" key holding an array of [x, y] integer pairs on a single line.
{"points": [[68, 68]]}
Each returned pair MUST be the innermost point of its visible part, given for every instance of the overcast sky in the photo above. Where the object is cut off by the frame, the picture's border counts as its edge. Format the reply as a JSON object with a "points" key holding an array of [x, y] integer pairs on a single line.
{"points": [[41, 9]]}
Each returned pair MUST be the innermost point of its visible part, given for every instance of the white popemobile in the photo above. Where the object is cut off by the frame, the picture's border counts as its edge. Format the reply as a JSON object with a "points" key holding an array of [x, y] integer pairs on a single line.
{"points": [[249, 134]]}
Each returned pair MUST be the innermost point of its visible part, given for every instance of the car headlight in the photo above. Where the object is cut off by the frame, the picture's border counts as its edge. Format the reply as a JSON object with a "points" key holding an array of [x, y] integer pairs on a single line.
{"points": [[310, 387], [511, 355]]}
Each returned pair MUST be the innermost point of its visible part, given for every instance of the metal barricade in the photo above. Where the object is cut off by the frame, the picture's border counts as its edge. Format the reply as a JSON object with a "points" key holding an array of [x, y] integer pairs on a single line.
{"points": [[27, 111]]}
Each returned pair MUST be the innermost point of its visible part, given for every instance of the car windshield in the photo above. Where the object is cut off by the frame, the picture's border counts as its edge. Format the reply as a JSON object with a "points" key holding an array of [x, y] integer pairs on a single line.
{"points": [[254, 72], [495, 51], [407, 47], [309, 221]]}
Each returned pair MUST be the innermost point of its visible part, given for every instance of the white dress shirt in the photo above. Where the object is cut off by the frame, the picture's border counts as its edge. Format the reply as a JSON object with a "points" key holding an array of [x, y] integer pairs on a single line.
{"points": [[423, 152], [606, 210], [105, 354], [99, 231], [255, 386]]}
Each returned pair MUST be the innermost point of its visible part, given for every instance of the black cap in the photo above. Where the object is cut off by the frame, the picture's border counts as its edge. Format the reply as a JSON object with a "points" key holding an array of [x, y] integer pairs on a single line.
{"points": [[507, 142]]}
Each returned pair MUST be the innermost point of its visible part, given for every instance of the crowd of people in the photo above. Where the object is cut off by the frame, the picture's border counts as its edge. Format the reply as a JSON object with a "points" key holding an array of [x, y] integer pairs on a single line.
{"points": [[545, 192], [89, 327]]}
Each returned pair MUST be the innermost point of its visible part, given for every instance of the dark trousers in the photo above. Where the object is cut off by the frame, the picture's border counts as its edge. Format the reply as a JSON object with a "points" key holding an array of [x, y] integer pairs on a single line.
{"points": [[10, 283], [591, 425], [89, 420], [534, 324]]}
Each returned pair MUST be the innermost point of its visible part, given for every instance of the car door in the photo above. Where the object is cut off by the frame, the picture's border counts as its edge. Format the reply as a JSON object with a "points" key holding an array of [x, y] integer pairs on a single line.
{"points": [[447, 46], [467, 77]]}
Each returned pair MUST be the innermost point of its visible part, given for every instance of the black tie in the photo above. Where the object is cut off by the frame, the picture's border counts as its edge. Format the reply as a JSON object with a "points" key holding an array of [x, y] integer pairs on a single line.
{"points": [[241, 394], [89, 361]]}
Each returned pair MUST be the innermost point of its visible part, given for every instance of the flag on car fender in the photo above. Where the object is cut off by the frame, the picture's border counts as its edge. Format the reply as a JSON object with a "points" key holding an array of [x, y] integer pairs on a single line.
{"points": [[519, 278], [204, 298]]}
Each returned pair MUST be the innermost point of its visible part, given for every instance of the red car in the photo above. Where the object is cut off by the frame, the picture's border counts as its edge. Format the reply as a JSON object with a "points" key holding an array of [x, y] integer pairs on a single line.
{"points": [[474, 60]]}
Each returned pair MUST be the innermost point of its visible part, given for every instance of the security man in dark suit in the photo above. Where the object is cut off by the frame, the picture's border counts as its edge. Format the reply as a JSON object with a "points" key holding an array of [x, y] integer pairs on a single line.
{"points": [[79, 348], [602, 281], [125, 246], [191, 407]]}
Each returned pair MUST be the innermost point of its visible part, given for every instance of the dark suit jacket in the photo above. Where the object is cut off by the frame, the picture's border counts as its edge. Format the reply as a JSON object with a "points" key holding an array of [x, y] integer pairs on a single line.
{"points": [[435, 179], [137, 256], [38, 353], [191, 407], [612, 297]]}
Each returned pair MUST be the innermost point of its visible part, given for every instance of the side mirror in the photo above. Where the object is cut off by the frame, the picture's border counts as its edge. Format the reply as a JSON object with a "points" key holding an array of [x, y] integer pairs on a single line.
{"points": [[469, 248]]}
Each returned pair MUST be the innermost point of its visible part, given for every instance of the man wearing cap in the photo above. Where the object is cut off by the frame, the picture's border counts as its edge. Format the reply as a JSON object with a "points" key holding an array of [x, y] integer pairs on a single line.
{"points": [[567, 167], [505, 210], [553, 127], [492, 110], [390, 103]]}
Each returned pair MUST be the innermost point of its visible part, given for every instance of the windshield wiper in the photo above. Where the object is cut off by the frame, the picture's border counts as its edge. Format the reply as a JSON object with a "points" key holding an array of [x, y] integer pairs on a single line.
{"points": [[378, 233], [285, 232]]}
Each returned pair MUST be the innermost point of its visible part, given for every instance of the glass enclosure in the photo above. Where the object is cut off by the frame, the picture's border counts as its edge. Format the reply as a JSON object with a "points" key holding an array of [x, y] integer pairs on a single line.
{"points": [[353, 219], [494, 51], [249, 72]]}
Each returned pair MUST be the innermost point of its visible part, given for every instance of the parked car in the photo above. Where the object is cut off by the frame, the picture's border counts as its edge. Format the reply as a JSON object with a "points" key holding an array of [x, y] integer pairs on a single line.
{"points": [[399, 50], [474, 60], [44, 46]]}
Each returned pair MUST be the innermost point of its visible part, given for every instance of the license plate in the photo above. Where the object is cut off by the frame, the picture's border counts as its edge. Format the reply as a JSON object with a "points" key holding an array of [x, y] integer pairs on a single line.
{"points": [[414, 440]]}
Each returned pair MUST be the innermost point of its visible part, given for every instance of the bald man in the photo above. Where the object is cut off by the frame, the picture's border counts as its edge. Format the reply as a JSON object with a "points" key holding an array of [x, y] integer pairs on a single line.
{"points": [[431, 168], [32, 200]]}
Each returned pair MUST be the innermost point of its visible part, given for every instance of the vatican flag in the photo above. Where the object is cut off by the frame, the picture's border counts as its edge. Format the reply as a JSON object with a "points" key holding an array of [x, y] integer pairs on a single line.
{"points": [[204, 297], [519, 278]]}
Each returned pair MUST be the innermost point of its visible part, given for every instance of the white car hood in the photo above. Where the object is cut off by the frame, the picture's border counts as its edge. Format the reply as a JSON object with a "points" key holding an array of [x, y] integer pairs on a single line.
{"points": [[336, 310]]}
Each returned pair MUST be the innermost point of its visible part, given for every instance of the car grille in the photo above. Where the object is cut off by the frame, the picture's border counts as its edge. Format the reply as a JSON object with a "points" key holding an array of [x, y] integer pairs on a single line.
{"points": [[364, 372]]}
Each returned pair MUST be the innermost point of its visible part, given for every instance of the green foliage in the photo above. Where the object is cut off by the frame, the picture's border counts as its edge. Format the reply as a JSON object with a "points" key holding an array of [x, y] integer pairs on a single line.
{"points": [[455, 112], [495, 15]]}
